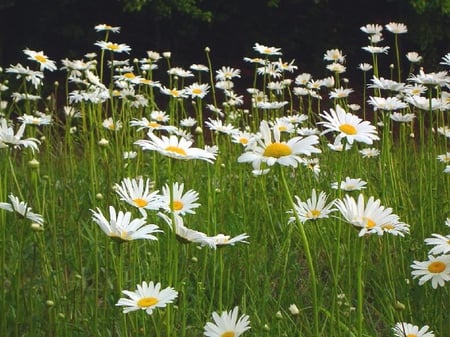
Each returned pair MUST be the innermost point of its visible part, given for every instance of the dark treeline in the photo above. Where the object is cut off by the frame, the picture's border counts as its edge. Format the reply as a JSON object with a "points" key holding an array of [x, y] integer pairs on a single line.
{"points": [[304, 29]]}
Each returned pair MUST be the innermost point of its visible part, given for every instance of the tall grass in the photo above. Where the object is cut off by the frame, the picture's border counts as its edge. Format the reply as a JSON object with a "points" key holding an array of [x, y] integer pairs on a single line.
{"points": [[65, 277]]}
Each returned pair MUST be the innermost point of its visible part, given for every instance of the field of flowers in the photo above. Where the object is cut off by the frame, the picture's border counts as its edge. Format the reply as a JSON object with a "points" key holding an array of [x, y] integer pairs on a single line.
{"points": [[139, 198]]}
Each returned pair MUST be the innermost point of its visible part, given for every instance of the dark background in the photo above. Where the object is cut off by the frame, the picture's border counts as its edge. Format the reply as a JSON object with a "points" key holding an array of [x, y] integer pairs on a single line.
{"points": [[304, 29]]}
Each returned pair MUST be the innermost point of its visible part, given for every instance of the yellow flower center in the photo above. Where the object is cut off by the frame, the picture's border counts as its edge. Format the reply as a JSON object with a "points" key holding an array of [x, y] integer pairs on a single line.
{"points": [[227, 334], [139, 202], [146, 302], [314, 213], [112, 46], [282, 128], [411, 335], [370, 223], [436, 267], [176, 149], [111, 126], [129, 75], [348, 129], [388, 226], [174, 92], [177, 205], [197, 91], [41, 59], [154, 125], [243, 140], [277, 150]]}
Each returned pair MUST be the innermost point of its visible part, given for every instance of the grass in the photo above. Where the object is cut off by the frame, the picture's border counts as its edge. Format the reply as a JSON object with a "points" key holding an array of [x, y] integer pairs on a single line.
{"points": [[65, 277]]}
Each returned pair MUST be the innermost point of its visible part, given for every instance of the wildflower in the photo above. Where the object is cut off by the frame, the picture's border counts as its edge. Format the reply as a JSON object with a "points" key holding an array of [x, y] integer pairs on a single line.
{"points": [[8, 137], [197, 90], [21, 208], [177, 202], [219, 126], [334, 55], [35, 77], [147, 297], [376, 49], [129, 154], [370, 152], [336, 68], [409, 330], [365, 66], [199, 67], [41, 119], [175, 148], [340, 93], [243, 137], [271, 105], [121, 227], [389, 103], [283, 153], [188, 122], [105, 27], [135, 193], [444, 158], [221, 240], [294, 310], [313, 208], [440, 78], [402, 118], [43, 60], [284, 66], [372, 29], [266, 50], [112, 125], [175, 93], [350, 184], [425, 103], [370, 217], [436, 269], [114, 47], [227, 324], [385, 84], [413, 57], [349, 126], [441, 244], [144, 123], [227, 73], [446, 60], [396, 28]]}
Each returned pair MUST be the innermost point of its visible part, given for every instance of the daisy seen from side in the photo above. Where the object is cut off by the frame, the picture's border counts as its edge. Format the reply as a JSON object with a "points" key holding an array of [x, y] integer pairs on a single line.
{"points": [[21, 208]]}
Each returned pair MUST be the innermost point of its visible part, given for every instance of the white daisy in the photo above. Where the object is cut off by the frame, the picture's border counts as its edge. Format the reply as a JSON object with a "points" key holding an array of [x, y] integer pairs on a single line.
{"points": [[441, 244], [21, 208], [181, 203], [147, 297], [350, 184], [436, 269], [227, 324], [313, 208], [402, 329]]}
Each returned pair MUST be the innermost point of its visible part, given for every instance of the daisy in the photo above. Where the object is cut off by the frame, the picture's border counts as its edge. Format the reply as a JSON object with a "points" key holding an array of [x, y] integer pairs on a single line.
{"points": [[334, 55], [436, 269], [396, 28], [441, 244], [424, 103], [444, 158], [174, 147], [350, 184], [266, 50], [114, 47], [105, 27], [370, 216], [144, 123], [121, 227], [180, 72], [147, 297], [446, 60], [369, 152], [271, 105], [376, 49], [413, 57], [177, 202], [243, 137], [283, 153], [284, 66], [385, 84], [35, 77], [227, 73], [340, 93], [8, 137], [313, 208], [135, 193], [188, 122], [21, 208], [42, 119], [430, 79], [219, 126], [372, 29], [365, 67], [175, 93], [227, 324], [110, 124], [388, 104], [199, 67], [336, 68], [221, 240], [197, 90], [409, 330], [44, 61], [349, 126], [402, 118]]}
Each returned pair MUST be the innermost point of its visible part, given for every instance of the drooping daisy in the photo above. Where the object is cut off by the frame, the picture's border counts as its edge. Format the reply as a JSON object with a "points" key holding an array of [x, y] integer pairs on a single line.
{"points": [[386, 84], [440, 243], [370, 216], [313, 208], [436, 269], [403, 329], [174, 147], [340, 93], [21, 208], [144, 123], [177, 202], [227, 324], [147, 297], [43, 60], [424, 103], [121, 227], [444, 158], [349, 126], [277, 151], [350, 184], [137, 193], [35, 77]]}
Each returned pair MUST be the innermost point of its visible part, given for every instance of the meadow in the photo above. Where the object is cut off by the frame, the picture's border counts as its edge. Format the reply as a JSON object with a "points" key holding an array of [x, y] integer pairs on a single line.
{"points": [[141, 198]]}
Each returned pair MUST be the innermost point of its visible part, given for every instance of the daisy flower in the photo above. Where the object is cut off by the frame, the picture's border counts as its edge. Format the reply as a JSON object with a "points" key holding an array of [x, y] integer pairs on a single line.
{"points": [[227, 324], [277, 151], [181, 203], [227, 73], [446, 60], [105, 27], [402, 118], [134, 192], [340, 93], [350, 184], [147, 297], [144, 123], [197, 90], [369, 152], [436, 269], [174, 147], [114, 47], [440, 78], [370, 216], [110, 124], [21, 208], [441, 244], [402, 329], [444, 158], [349, 126], [8, 137], [221, 240], [372, 29], [266, 50], [43, 60], [121, 227], [396, 28], [313, 208], [413, 57], [334, 55], [376, 49], [388, 104], [42, 119], [188, 122], [217, 125]]}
